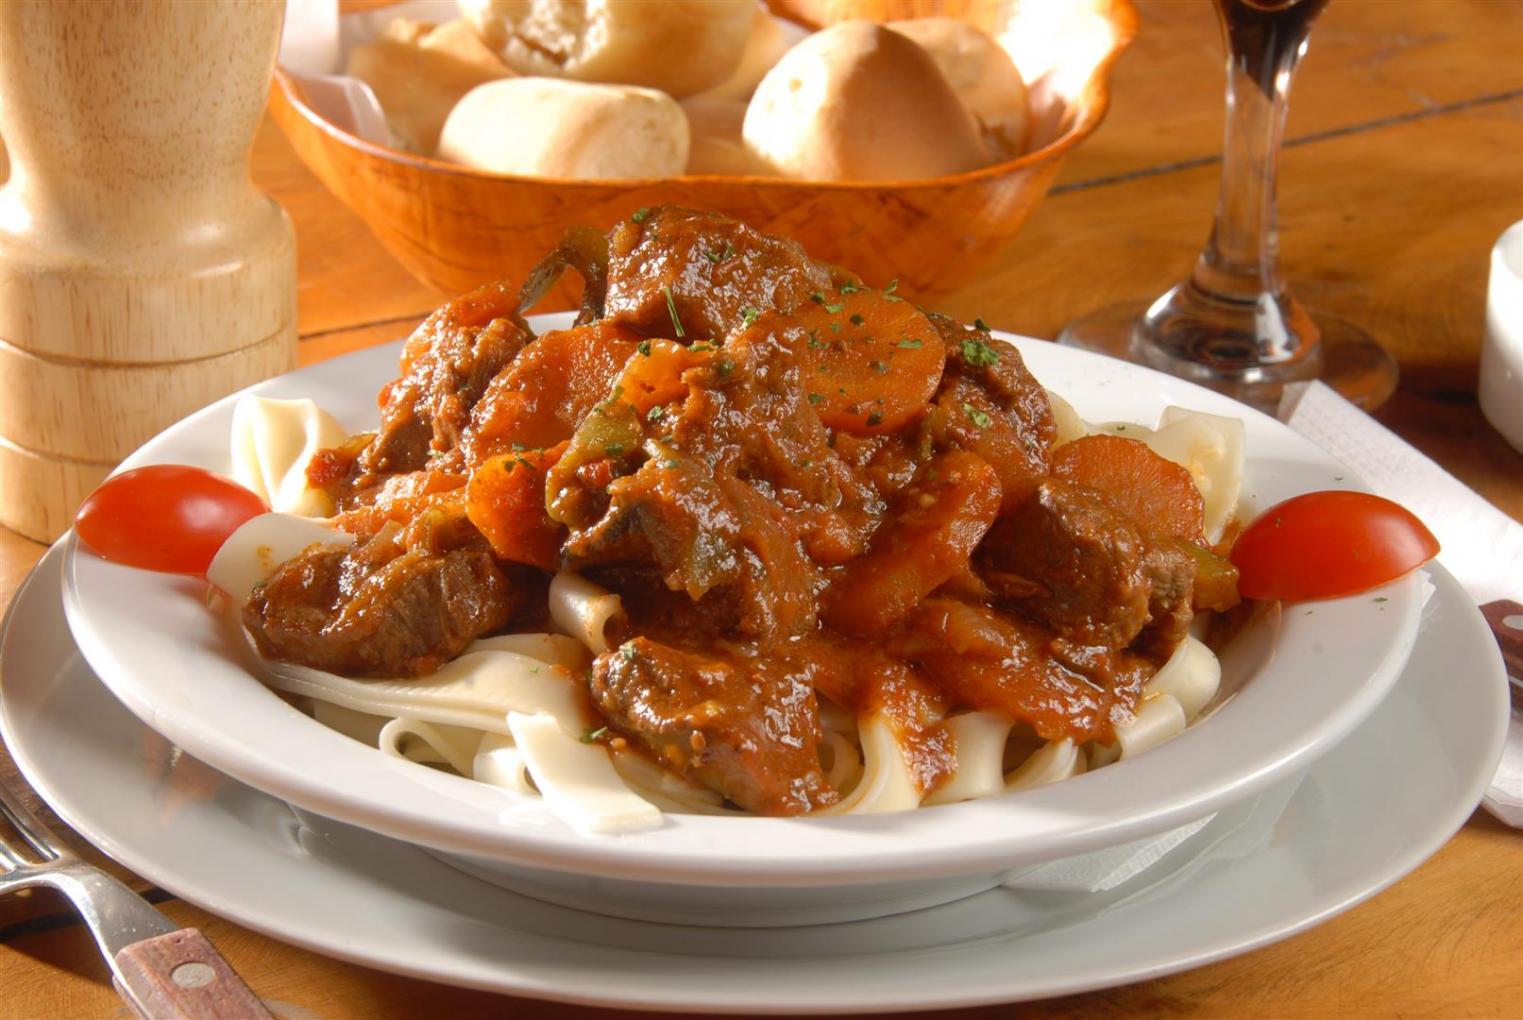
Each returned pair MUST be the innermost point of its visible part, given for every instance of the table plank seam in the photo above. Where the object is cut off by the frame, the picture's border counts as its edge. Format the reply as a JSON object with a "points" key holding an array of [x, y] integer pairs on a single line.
{"points": [[1308, 139], [368, 324]]}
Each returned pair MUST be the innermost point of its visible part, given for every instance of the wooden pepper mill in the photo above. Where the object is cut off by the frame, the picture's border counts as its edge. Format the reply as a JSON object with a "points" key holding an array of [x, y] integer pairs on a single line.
{"points": [[141, 274]]}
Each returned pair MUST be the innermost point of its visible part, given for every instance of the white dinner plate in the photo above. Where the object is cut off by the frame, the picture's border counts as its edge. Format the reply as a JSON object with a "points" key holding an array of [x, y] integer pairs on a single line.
{"points": [[152, 641], [1367, 813]]}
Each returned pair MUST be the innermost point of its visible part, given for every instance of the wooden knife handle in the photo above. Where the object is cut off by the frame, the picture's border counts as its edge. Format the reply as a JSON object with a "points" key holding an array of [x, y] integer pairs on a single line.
{"points": [[181, 975], [1506, 620]]}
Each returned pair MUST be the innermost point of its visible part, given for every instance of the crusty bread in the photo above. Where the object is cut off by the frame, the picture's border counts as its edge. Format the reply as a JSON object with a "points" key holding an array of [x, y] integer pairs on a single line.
{"points": [[859, 102], [678, 46], [981, 73], [770, 38], [714, 125], [988, 15], [419, 71], [550, 127]]}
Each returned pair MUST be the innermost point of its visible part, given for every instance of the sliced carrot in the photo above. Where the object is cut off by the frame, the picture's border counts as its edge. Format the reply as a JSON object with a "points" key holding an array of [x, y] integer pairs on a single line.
{"points": [[472, 309], [539, 399], [926, 543], [875, 360], [654, 377], [1157, 494], [505, 499]]}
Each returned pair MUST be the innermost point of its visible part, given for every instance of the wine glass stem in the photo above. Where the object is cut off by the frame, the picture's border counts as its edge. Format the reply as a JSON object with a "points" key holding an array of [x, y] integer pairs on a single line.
{"points": [[1241, 260], [1239, 267]]}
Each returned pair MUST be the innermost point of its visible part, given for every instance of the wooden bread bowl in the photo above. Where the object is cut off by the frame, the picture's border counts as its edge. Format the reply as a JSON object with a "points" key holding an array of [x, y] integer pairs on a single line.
{"points": [[455, 228]]}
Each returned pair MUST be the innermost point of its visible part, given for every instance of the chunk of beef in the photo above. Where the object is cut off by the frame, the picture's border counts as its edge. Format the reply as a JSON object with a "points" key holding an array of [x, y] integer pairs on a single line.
{"points": [[990, 404], [1170, 571], [707, 269], [379, 610], [730, 492], [1066, 559], [999, 663], [446, 366], [750, 733]]}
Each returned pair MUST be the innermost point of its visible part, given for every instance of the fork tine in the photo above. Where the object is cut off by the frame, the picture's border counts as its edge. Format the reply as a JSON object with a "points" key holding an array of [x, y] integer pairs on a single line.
{"points": [[31, 829]]}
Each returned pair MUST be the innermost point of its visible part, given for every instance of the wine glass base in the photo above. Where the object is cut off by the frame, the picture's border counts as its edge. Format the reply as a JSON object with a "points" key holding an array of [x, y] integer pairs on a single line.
{"points": [[1353, 363]]}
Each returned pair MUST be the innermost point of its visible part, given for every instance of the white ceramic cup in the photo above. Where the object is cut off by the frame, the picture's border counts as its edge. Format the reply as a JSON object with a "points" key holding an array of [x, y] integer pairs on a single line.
{"points": [[1501, 385]]}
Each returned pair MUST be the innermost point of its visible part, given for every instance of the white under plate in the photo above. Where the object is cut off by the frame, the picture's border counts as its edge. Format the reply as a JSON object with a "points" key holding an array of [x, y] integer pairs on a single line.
{"points": [[1367, 813]]}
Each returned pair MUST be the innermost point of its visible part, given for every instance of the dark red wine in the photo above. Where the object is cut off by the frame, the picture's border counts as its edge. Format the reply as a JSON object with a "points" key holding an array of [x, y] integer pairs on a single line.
{"points": [[1265, 36]]}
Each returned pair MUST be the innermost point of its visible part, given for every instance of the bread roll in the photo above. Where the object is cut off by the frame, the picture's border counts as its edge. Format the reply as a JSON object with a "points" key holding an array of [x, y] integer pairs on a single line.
{"points": [[550, 127], [770, 38], [678, 46], [714, 127], [981, 73], [859, 102], [419, 71], [987, 15]]}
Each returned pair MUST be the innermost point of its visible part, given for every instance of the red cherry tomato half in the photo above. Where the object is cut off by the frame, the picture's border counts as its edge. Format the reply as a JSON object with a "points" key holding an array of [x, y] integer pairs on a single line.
{"points": [[165, 517], [1325, 545]]}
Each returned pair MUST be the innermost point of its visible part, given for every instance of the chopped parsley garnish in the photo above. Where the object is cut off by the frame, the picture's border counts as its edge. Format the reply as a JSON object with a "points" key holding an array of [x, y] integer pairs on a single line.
{"points": [[591, 736], [976, 352], [656, 413], [641, 214], [628, 651], [816, 398], [857, 320], [671, 462], [614, 449], [878, 366], [726, 366], [977, 417], [671, 306], [717, 257], [888, 291], [702, 345], [819, 298], [750, 314], [848, 288], [1381, 598], [876, 418], [910, 345], [814, 339], [519, 446], [981, 324], [643, 347]]}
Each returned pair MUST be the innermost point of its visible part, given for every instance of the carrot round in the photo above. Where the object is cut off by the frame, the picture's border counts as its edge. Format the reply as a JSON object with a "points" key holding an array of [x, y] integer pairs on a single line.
{"points": [[539, 399], [926, 543], [505, 499], [1157, 494], [874, 360]]}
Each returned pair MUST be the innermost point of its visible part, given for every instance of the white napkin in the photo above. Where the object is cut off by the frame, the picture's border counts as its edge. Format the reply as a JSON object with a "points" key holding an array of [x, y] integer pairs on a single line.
{"points": [[1107, 868], [314, 50], [1482, 547]]}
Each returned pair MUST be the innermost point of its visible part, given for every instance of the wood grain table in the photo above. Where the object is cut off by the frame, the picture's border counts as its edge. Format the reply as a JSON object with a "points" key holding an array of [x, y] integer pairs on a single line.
{"points": [[1404, 164]]}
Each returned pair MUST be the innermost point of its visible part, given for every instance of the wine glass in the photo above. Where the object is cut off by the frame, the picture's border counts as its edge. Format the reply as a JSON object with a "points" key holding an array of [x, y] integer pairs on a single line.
{"points": [[1233, 325]]}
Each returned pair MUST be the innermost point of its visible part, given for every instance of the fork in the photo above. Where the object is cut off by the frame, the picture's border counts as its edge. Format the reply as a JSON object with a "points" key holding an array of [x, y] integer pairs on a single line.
{"points": [[158, 968]]}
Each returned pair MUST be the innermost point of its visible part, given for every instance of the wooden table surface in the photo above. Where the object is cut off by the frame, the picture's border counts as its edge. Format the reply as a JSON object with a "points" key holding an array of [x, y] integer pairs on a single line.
{"points": [[1404, 164]]}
